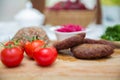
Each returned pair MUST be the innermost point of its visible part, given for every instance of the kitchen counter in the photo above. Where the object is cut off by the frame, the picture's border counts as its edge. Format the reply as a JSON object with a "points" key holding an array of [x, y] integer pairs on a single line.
{"points": [[65, 68]]}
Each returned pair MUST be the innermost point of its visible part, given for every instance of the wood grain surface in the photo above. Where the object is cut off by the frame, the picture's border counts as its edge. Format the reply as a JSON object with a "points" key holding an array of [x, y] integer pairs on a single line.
{"points": [[65, 68]]}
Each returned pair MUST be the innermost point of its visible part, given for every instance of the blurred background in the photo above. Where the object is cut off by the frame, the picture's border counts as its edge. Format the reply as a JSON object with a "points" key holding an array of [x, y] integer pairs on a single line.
{"points": [[15, 14], [8, 9]]}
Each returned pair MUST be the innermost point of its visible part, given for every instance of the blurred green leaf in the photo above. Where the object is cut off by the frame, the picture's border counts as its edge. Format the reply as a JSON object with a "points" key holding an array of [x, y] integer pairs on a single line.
{"points": [[112, 33]]}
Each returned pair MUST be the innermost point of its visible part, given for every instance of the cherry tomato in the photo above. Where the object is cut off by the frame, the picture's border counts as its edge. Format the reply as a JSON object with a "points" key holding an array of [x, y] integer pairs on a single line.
{"points": [[16, 43], [9, 43], [11, 57], [45, 56], [30, 46], [0, 56], [19, 43]]}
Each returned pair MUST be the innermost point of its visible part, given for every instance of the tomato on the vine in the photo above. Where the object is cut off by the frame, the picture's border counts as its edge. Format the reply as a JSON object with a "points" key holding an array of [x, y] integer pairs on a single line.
{"points": [[0, 56], [31, 46], [45, 56], [9, 43], [11, 56], [17, 43]]}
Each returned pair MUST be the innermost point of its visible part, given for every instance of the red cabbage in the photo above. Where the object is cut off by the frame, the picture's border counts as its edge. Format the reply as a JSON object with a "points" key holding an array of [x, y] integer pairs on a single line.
{"points": [[70, 28]]}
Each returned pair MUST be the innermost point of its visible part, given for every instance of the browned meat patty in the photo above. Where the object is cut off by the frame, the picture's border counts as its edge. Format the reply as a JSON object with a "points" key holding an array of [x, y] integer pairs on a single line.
{"points": [[30, 32], [91, 41], [92, 51], [69, 42]]}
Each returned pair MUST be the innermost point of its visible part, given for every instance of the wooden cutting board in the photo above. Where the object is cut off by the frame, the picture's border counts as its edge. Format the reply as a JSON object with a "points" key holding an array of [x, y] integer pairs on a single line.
{"points": [[66, 68]]}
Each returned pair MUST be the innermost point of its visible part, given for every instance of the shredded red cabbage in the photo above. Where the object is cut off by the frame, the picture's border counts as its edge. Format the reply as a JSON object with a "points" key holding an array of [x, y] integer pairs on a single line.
{"points": [[70, 28]]}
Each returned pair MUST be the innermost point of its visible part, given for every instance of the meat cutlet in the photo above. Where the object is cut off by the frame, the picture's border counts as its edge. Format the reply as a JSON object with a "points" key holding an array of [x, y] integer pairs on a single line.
{"points": [[69, 42], [92, 41], [92, 51]]}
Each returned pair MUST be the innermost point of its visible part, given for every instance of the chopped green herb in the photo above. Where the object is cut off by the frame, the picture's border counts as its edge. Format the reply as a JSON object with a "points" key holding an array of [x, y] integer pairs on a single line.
{"points": [[112, 33]]}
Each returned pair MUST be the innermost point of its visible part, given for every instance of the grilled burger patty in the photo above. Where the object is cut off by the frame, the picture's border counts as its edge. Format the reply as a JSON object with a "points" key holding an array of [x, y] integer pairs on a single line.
{"points": [[92, 51], [69, 42], [92, 41]]}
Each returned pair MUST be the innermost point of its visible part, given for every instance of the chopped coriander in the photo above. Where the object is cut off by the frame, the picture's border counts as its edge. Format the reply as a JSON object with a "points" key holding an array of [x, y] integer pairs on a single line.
{"points": [[112, 33]]}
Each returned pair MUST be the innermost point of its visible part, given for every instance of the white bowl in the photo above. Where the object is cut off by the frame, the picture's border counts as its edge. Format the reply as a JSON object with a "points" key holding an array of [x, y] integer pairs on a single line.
{"points": [[63, 35]]}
